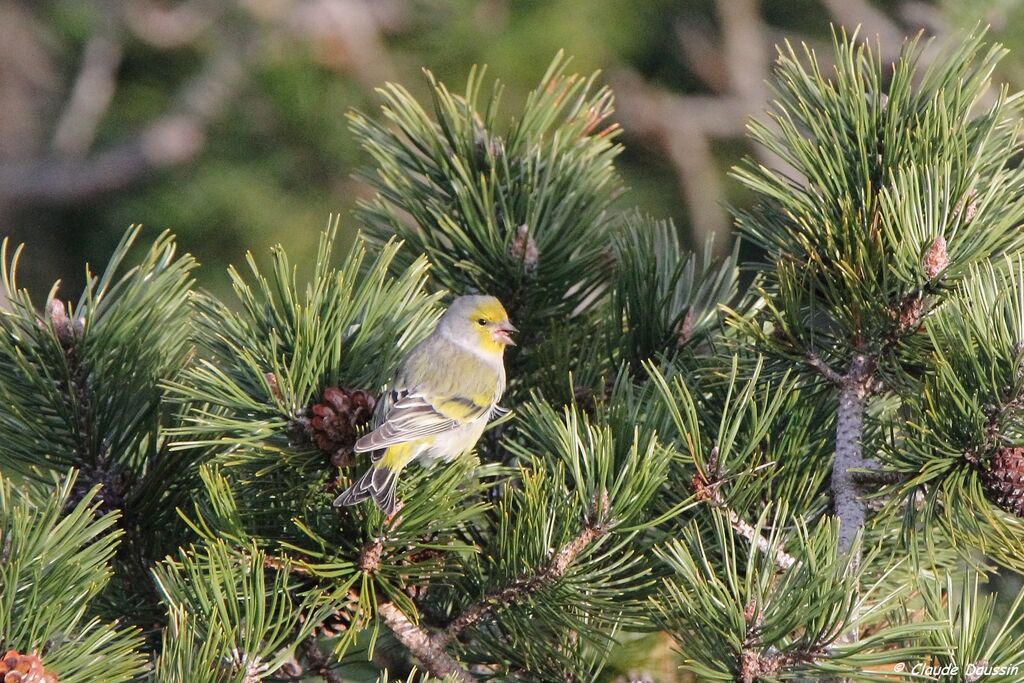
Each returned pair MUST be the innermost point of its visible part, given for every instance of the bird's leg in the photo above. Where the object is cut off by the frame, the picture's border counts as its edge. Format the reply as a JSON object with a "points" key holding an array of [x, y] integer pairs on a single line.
{"points": [[393, 519]]}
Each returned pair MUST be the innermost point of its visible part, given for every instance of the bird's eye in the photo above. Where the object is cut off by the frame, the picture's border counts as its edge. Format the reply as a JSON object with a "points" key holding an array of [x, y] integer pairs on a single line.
{"points": [[481, 321]]}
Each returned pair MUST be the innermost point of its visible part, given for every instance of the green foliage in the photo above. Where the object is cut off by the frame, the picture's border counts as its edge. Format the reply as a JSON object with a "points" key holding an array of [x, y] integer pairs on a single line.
{"points": [[747, 619], [660, 471], [886, 160], [665, 297], [520, 212], [744, 440], [83, 385], [55, 560], [969, 406], [583, 490], [347, 326], [230, 620], [973, 641], [245, 403]]}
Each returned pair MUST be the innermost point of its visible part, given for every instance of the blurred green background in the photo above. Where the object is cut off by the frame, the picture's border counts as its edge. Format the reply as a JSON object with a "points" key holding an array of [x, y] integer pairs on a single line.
{"points": [[224, 121]]}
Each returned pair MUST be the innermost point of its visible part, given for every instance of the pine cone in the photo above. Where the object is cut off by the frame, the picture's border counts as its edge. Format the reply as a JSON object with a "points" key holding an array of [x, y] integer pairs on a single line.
{"points": [[684, 329], [334, 625], [336, 420], [907, 313], [337, 623], [524, 249], [936, 259], [18, 668], [1004, 480]]}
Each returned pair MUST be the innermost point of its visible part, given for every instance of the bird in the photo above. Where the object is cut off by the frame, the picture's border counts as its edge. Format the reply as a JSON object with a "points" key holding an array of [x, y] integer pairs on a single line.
{"points": [[445, 392]]}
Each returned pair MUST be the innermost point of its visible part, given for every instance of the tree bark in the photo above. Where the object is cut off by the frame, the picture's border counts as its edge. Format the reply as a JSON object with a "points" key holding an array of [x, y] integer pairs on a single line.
{"points": [[420, 645], [849, 455]]}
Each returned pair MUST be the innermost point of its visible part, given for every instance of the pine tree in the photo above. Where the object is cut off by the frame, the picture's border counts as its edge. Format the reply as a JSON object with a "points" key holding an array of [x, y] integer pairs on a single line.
{"points": [[807, 468]]}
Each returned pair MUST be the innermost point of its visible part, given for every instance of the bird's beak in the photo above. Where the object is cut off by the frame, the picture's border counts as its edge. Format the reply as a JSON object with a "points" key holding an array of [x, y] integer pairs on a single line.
{"points": [[503, 333]]}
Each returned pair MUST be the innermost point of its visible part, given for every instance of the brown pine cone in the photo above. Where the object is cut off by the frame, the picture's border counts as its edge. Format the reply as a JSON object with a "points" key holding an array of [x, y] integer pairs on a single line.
{"points": [[18, 668], [1003, 479], [907, 313], [336, 419]]}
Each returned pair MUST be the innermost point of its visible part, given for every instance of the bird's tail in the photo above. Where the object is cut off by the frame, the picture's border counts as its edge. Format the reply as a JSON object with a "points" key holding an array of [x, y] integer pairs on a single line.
{"points": [[379, 483]]}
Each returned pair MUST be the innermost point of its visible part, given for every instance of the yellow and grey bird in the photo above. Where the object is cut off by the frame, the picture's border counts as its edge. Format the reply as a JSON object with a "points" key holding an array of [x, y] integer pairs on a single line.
{"points": [[445, 392]]}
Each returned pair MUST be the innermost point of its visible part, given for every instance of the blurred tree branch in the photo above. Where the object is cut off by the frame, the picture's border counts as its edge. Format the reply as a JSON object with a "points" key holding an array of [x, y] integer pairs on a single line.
{"points": [[174, 138], [93, 89], [734, 68], [172, 27], [344, 34]]}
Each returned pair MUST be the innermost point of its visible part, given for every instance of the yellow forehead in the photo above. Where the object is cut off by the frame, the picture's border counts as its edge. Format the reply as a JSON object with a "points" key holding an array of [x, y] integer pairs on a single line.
{"points": [[492, 310]]}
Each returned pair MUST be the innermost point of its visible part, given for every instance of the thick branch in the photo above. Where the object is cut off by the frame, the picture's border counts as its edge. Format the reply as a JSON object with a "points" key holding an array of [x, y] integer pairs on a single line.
{"points": [[744, 47], [93, 90], [429, 652], [849, 434]]}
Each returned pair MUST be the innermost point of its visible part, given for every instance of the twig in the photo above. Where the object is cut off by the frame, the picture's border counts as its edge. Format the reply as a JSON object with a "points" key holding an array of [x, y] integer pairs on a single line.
{"points": [[709, 490], [824, 369], [426, 650], [702, 53], [429, 649], [742, 527], [283, 563]]}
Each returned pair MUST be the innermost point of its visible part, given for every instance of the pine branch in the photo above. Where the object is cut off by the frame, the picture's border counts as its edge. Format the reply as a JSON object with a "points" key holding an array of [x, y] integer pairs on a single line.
{"points": [[710, 491], [742, 527], [428, 651], [731, 629], [55, 560], [227, 614], [525, 586]]}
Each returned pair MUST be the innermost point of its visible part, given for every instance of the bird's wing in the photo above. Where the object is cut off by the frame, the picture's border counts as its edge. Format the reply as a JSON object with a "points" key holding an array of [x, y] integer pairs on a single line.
{"points": [[414, 416]]}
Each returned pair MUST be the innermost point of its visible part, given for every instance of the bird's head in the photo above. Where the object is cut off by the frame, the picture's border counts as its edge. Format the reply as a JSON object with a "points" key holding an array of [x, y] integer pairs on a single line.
{"points": [[480, 321]]}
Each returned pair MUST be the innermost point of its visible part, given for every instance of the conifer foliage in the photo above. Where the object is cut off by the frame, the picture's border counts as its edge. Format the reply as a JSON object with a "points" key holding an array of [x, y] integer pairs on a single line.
{"points": [[816, 476]]}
